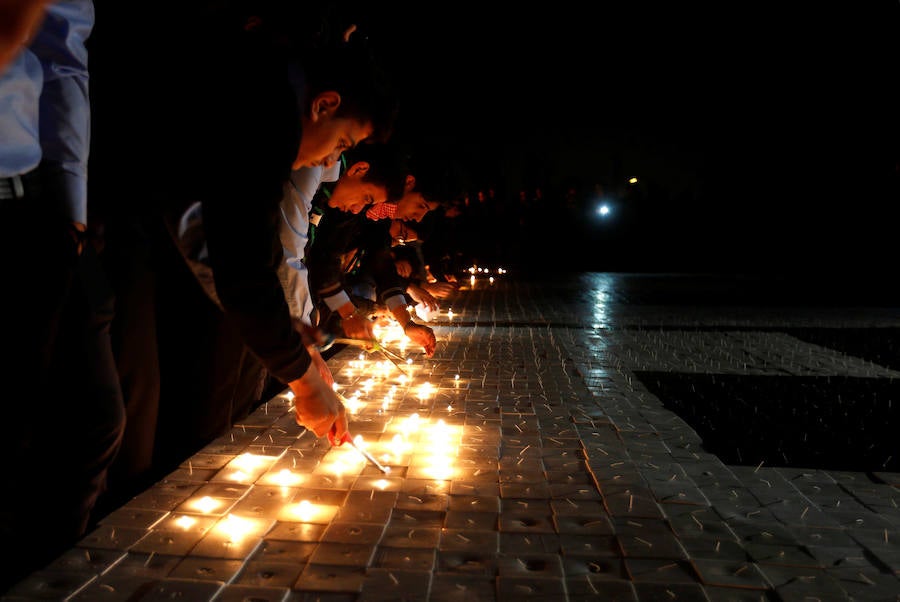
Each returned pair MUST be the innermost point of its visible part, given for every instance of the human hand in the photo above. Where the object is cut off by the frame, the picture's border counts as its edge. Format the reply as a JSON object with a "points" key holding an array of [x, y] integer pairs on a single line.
{"points": [[313, 339], [319, 362], [421, 335], [420, 295], [312, 336], [316, 405], [441, 290], [404, 268], [358, 327]]}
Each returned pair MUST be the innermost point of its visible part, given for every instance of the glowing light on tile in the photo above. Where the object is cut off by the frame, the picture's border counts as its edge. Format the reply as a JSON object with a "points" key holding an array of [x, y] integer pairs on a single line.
{"points": [[247, 467], [305, 511], [205, 504], [426, 390], [340, 461], [283, 478], [185, 522], [235, 528], [352, 404], [239, 476]]}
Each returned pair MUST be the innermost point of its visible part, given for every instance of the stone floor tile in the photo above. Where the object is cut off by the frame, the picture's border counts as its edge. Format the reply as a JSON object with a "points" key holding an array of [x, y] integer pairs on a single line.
{"points": [[729, 573], [866, 583], [51, 585], [781, 555], [454, 587], [714, 548], [186, 589], [467, 562], [735, 594], [389, 585], [240, 593], [563, 453], [113, 588], [331, 578], [534, 588], [661, 570], [261, 573], [681, 592], [207, 569], [809, 585], [589, 588]]}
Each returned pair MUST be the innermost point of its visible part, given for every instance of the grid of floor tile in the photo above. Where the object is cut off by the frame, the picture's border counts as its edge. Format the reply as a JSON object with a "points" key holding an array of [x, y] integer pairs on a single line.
{"points": [[526, 461]]}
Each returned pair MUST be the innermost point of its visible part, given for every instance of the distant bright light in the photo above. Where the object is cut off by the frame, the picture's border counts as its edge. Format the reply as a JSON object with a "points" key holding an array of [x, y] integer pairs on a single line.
{"points": [[603, 210], [632, 180]]}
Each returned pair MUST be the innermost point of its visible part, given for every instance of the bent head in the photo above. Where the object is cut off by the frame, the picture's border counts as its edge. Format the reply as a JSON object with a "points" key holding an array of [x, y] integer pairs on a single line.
{"points": [[435, 179], [326, 135], [413, 206], [348, 101], [353, 192], [376, 174]]}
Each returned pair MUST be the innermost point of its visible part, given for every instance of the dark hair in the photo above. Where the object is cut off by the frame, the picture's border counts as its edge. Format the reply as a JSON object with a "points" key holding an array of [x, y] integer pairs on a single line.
{"points": [[388, 165], [312, 37], [351, 69]]}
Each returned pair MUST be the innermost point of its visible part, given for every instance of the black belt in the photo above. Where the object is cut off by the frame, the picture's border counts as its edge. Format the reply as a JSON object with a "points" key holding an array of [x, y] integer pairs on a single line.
{"points": [[16, 188]]}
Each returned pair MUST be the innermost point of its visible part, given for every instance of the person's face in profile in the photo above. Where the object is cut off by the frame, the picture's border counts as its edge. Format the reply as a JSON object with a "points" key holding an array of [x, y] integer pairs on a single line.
{"points": [[353, 192], [412, 207], [326, 135]]}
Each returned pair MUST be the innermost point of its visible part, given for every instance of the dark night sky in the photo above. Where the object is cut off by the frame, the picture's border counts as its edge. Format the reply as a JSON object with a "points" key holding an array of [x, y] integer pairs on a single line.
{"points": [[767, 132]]}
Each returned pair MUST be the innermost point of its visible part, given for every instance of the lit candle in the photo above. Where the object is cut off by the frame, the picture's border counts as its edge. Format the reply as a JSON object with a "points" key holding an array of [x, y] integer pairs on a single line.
{"points": [[426, 390], [234, 528], [284, 478], [185, 522], [205, 504], [307, 512]]}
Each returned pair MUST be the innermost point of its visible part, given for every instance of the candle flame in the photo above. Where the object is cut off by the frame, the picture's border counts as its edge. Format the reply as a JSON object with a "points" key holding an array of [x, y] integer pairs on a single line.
{"points": [[185, 522], [206, 504], [234, 528]]}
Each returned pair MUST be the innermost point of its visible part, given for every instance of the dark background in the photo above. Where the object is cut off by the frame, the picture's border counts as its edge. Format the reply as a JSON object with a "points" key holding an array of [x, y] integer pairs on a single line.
{"points": [[764, 136]]}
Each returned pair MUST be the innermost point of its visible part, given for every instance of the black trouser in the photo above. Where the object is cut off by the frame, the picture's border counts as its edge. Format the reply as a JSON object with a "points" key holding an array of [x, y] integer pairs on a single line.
{"points": [[186, 375], [64, 414]]}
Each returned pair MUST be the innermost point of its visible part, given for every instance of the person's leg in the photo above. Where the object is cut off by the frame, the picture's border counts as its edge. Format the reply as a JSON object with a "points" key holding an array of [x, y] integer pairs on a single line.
{"points": [[129, 261], [92, 422], [209, 377], [64, 402]]}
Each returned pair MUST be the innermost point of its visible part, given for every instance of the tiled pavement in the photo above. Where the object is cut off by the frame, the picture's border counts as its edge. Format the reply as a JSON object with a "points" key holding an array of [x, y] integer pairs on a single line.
{"points": [[547, 461]]}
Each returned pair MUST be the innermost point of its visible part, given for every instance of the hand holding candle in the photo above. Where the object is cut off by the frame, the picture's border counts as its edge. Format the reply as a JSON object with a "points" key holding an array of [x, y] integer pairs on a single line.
{"points": [[421, 335], [314, 340], [316, 405], [346, 438], [335, 439]]}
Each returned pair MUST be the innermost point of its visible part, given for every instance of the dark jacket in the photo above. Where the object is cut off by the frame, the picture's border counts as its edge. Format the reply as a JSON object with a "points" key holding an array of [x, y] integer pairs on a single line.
{"points": [[218, 120], [345, 245]]}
